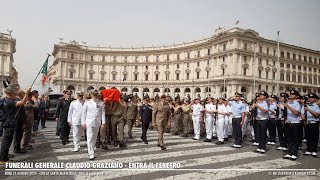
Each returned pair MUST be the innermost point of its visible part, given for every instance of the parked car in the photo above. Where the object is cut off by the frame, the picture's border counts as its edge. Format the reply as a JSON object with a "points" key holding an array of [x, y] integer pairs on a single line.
{"points": [[53, 98]]}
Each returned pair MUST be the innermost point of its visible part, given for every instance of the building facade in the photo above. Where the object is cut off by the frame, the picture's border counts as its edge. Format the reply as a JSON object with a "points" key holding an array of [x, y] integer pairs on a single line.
{"points": [[234, 60], [7, 70]]}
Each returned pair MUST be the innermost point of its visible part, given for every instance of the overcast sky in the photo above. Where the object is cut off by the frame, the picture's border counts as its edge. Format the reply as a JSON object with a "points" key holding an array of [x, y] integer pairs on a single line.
{"points": [[37, 24]]}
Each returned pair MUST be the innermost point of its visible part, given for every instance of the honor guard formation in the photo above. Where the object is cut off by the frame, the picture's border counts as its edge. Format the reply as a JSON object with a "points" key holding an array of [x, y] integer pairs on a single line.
{"points": [[99, 118]]}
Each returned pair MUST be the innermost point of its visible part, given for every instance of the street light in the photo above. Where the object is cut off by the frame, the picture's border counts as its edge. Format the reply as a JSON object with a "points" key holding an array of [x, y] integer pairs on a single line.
{"points": [[223, 67]]}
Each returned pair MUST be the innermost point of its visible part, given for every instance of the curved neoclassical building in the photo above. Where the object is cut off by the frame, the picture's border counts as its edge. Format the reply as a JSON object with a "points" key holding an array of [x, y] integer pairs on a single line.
{"points": [[219, 65]]}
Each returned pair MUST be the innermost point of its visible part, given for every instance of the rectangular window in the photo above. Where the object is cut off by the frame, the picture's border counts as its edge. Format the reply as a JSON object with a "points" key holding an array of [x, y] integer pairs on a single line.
{"points": [[244, 71], [260, 61], [198, 63], [178, 66], [177, 76], [103, 58], [299, 68], [294, 56], [260, 74], [187, 64], [274, 52], [207, 74], [288, 66], [157, 58], [167, 77], [91, 58], [114, 59], [294, 78], [245, 58], [273, 75], [113, 77], [310, 80], [282, 54], [282, 65], [224, 47], [157, 77], [294, 67], [267, 75], [281, 77], [178, 57], [102, 77], [125, 59], [267, 51], [147, 59], [245, 46], [188, 55], [198, 75], [135, 67], [124, 77], [167, 57], [198, 53], [299, 79], [187, 76], [70, 74], [91, 76], [136, 77], [267, 88], [260, 49], [288, 77], [208, 51], [288, 55], [146, 67], [146, 77], [157, 67], [208, 62]]}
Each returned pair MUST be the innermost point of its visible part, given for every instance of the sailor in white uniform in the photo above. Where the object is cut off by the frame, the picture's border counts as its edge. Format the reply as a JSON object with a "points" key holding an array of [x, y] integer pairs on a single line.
{"points": [[74, 119], [92, 114]]}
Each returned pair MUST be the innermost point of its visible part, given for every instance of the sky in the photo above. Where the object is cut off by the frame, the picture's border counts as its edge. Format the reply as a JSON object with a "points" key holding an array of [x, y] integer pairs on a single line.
{"points": [[38, 24]]}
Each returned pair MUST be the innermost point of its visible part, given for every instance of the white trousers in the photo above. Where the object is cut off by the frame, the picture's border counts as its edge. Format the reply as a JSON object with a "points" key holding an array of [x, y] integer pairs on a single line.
{"points": [[209, 127], [196, 126], [77, 133], [221, 126], [92, 133], [229, 125]]}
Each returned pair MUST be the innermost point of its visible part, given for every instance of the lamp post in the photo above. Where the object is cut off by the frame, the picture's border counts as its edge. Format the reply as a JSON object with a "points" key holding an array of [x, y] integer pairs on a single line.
{"points": [[278, 63], [223, 67]]}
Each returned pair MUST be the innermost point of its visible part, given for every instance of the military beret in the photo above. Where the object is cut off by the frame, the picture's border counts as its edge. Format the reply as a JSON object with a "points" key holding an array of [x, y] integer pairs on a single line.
{"points": [[163, 96], [313, 95]]}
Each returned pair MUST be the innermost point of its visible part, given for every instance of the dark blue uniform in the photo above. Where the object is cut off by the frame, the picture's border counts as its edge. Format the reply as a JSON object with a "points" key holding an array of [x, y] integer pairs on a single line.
{"points": [[9, 125], [146, 117], [62, 113]]}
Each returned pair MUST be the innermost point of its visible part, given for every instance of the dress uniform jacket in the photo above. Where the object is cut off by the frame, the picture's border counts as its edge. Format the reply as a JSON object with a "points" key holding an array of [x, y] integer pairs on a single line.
{"points": [[161, 113], [93, 113], [74, 114]]}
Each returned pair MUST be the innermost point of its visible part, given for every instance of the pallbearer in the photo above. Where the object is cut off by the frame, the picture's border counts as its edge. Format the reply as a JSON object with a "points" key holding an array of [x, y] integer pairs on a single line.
{"points": [[292, 125], [93, 114], [262, 120], [281, 117], [74, 119], [312, 124]]}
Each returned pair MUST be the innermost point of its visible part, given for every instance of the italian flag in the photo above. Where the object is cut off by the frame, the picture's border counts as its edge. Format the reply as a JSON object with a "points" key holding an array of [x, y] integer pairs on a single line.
{"points": [[44, 71]]}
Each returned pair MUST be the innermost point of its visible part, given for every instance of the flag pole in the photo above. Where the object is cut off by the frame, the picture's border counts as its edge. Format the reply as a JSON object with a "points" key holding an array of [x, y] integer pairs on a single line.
{"points": [[39, 72]]}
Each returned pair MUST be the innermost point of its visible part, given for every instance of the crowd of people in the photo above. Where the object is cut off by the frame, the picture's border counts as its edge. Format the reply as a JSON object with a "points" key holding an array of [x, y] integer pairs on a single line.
{"points": [[290, 119]]}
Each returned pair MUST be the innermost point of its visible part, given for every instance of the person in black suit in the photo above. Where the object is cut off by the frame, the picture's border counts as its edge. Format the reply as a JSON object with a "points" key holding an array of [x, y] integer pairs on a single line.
{"points": [[44, 110], [146, 117]]}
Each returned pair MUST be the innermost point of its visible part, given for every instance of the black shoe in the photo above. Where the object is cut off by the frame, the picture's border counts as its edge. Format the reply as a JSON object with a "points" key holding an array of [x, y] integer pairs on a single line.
{"points": [[184, 135], [159, 145], [219, 143], [105, 147], [214, 137], [163, 148], [207, 140], [20, 151], [122, 145], [97, 146], [167, 130], [225, 139], [146, 142], [64, 142], [175, 133]]}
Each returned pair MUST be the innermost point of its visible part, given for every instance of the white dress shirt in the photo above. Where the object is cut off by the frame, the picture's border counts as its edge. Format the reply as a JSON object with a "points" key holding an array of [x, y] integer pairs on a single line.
{"points": [[93, 112], [210, 107], [75, 110], [222, 109]]}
